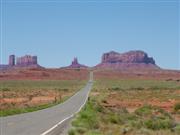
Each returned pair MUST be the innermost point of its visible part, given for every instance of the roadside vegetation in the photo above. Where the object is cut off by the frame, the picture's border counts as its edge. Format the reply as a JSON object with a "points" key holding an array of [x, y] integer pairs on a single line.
{"points": [[21, 96], [130, 107], [95, 119]]}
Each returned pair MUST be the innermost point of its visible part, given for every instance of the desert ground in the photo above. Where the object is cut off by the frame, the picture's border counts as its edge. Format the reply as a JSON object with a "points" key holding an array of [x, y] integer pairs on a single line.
{"points": [[132, 103], [145, 102], [43, 74], [26, 90]]}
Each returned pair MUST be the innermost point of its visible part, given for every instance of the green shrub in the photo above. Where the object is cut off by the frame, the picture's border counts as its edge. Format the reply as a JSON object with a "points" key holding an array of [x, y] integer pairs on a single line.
{"points": [[99, 108], [87, 118], [71, 132], [5, 89], [139, 88], [132, 117], [153, 118], [114, 119], [157, 124], [115, 88], [177, 107], [143, 111], [81, 130], [177, 129], [137, 123]]}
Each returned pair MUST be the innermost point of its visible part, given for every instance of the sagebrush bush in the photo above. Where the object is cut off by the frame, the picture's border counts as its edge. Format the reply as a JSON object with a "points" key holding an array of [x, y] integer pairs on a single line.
{"points": [[177, 129], [87, 118], [144, 111], [177, 107], [158, 124], [71, 132]]}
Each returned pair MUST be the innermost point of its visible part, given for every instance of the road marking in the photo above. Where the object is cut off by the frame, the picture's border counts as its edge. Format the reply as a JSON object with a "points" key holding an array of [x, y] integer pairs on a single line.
{"points": [[72, 115]]}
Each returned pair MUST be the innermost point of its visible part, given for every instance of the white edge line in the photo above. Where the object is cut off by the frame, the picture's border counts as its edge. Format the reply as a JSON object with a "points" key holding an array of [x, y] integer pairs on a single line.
{"points": [[72, 115]]}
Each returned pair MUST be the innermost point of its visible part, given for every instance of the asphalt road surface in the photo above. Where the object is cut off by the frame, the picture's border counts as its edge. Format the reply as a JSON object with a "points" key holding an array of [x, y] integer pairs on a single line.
{"points": [[50, 121]]}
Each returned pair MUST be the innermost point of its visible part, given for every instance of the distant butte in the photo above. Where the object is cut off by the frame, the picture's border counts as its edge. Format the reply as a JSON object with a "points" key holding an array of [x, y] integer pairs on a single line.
{"points": [[129, 60], [24, 61], [133, 60], [75, 64]]}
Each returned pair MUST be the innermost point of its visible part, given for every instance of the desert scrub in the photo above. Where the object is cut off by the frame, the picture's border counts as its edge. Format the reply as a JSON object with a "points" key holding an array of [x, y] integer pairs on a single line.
{"points": [[118, 121], [29, 108], [23, 85], [23, 93], [154, 118], [94, 116], [144, 111], [136, 84], [177, 129], [145, 120], [87, 118], [71, 132], [177, 108]]}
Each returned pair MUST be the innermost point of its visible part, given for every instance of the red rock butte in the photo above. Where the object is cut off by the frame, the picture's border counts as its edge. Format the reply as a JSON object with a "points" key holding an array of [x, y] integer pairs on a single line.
{"points": [[24, 61], [129, 60], [75, 64]]}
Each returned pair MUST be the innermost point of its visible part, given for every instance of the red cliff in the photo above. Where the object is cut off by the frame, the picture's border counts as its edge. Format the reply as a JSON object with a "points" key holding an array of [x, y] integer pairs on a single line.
{"points": [[128, 60]]}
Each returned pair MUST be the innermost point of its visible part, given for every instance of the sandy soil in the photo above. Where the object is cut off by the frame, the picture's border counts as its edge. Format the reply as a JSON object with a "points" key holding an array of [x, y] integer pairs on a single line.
{"points": [[28, 100]]}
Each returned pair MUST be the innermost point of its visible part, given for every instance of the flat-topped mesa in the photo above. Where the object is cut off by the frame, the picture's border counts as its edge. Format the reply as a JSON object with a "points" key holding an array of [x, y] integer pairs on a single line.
{"points": [[129, 60], [75, 64], [128, 57], [26, 60]]}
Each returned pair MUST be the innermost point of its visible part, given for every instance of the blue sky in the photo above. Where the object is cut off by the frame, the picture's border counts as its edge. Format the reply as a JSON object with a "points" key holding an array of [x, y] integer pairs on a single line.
{"points": [[56, 31]]}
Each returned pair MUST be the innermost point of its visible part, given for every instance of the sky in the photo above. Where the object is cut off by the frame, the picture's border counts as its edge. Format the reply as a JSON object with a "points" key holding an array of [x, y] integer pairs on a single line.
{"points": [[59, 30]]}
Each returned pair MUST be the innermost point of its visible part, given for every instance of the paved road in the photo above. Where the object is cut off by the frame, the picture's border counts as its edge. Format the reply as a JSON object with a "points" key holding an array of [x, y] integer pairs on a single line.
{"points": [[45, 121]]}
